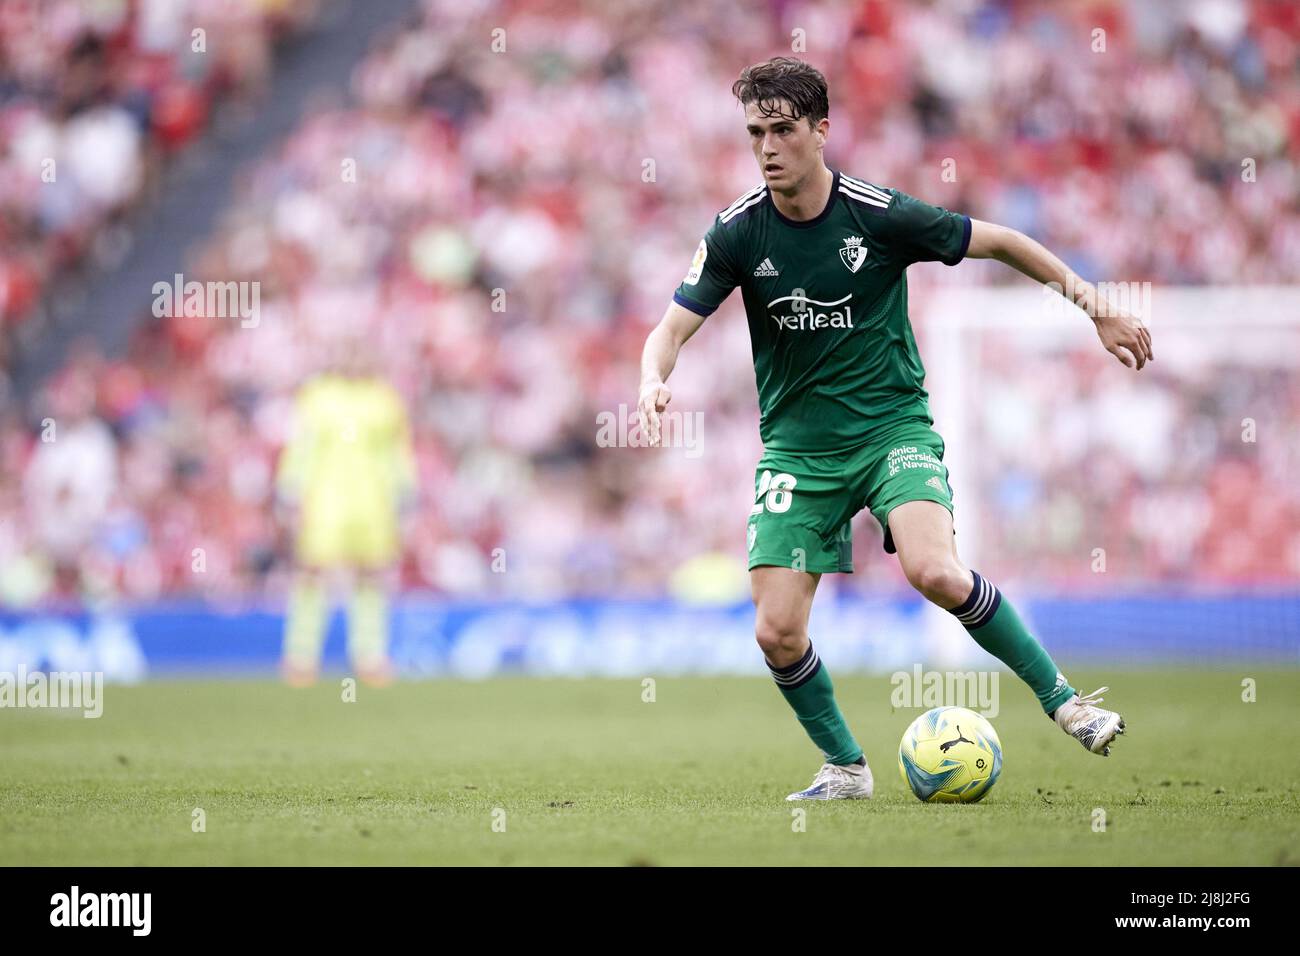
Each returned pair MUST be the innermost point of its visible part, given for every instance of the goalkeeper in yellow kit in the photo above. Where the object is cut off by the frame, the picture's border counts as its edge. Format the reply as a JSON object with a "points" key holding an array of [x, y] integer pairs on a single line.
{"points": [[345, 475]]}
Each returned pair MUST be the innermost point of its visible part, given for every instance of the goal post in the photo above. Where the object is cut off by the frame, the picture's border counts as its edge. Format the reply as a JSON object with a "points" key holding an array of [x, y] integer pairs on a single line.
{"points": [[1076, 479]]}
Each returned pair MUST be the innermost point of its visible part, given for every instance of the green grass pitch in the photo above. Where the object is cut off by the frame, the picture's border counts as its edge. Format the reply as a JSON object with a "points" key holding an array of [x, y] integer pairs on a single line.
{"points": [[585, 772]]}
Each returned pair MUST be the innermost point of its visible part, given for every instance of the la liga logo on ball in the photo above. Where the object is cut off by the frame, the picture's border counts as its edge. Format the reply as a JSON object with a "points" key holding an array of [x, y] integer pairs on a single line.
{"points": [[950, 755]]}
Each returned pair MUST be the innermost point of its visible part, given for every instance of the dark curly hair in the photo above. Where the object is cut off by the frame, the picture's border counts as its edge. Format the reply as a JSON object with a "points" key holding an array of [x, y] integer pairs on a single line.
{"points": [[784, 78]]}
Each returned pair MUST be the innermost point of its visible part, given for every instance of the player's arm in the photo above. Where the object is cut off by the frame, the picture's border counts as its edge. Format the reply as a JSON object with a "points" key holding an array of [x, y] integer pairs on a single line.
{"points": [[1123, 336], [296, 458], [658, 359], [403, 455], [709, 281]]}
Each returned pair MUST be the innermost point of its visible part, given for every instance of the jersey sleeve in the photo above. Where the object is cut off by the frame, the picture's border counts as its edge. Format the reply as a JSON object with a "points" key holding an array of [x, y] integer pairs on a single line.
{"points": [[919, 232], [403, 453], [295, 463], [712, 275]]}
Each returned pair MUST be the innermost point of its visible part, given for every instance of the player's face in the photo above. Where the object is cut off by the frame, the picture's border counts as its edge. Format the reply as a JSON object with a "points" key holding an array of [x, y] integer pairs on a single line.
{"points": [[788, 150]]}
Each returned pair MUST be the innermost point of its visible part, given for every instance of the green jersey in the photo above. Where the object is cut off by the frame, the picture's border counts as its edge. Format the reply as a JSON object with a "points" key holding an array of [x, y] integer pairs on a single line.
{"points": [[834, 356]]}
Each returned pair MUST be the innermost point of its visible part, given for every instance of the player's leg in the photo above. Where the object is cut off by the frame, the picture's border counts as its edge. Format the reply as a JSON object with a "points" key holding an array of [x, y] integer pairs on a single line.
{"points": [[922, 533], [368, 628], [373, 551], [318, 551], [798, 530], [782, 602], [304, 631], [908, 492]]}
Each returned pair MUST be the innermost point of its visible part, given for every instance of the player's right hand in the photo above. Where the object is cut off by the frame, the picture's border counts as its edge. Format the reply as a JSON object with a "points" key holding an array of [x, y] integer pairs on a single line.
{"points": [[655, 397], [1124, 337]]}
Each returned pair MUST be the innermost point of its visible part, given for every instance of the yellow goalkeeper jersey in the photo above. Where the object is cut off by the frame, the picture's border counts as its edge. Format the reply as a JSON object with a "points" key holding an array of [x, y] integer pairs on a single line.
{"points": [[348, 463]]}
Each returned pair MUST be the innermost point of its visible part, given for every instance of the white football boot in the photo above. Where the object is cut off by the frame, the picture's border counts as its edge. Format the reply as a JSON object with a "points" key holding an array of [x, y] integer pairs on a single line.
{"points": [[834, 782], [1093, 726]]}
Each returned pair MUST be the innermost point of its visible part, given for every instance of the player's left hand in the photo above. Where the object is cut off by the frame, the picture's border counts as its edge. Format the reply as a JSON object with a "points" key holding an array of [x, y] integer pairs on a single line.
{"points": [[654, 398], [1125, 337]]}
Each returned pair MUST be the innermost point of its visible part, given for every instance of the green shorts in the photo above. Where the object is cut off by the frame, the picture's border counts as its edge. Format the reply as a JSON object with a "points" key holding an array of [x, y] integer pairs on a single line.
{"points": [[803, 503]]}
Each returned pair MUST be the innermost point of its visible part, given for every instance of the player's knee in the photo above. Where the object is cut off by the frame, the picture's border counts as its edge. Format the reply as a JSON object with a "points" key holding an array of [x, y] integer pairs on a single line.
{"points": [[779, 637], [942, 581]]}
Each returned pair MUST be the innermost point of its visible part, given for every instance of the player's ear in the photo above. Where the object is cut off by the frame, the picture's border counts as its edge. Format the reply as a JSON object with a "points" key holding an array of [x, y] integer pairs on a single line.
{"points": [[822, 129]]}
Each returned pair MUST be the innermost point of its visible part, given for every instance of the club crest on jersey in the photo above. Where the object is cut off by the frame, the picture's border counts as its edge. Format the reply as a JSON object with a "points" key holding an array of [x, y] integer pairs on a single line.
{"points": [[854, 253]]}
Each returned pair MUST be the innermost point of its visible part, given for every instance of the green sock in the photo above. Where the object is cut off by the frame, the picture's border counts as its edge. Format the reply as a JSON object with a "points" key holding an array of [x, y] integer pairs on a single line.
{"points": [[806, 686], [368, 625], [304, 628], [997, 628]]}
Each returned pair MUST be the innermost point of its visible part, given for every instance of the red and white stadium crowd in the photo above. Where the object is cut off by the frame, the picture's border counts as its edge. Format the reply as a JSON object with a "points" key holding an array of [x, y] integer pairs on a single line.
{"points": [[501, 217]]}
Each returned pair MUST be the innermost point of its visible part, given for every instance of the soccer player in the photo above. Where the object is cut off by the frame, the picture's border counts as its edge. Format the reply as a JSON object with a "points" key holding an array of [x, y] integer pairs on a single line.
{"points": [[346, 474], [820, 258]]}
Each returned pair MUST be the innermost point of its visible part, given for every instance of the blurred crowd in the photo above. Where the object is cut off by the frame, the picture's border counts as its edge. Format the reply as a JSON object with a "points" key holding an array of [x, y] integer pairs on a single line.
{"points": [[95, 99], [1087, 479], [502, 214]]}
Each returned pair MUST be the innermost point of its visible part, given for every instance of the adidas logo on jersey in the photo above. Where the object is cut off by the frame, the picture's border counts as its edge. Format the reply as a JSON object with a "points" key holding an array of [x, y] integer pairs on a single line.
{"points": [[765, 268]]}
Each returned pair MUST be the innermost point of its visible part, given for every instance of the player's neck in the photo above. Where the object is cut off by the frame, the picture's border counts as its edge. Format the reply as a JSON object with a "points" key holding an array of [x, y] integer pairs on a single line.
{"points": [[807, 201]]}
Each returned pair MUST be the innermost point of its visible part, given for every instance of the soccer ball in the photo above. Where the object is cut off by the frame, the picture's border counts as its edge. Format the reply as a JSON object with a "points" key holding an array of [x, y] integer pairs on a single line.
{"points": [[950, 755]]}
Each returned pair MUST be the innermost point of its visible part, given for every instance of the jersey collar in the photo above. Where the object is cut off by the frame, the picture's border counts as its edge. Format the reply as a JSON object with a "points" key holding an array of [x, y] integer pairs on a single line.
{"points": [[817, 219]]}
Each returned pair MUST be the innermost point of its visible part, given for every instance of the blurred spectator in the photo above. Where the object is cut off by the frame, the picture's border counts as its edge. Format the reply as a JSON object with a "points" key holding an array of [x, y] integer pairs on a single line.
{"points": [[94, 97], [514, 222]]}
